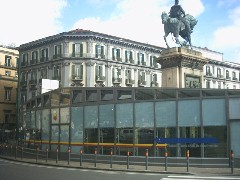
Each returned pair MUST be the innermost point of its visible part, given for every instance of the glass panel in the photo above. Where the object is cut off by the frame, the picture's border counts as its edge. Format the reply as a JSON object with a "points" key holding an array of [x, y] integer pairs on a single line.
{"points": [[77, 96], [165, 94], [64, 137], [65, 97], [106, 136], [46, 101], [106, 116], [234, 107], [144, 94], [91, 95], [65, 116], [106, 95], [165, 114], [219, 149], [91, 136], [55, 98], [54, 137], [124, 115], [33, 119], [91, 117], [213, 92], [124, 94], [234, 137], [45, 124], [39, 102], [167, 133], [55, 116], [188, 93], [38, 119], [214, 113], [189, 113], [190, 132], [144, 114], [76, 127], [28, 119]]}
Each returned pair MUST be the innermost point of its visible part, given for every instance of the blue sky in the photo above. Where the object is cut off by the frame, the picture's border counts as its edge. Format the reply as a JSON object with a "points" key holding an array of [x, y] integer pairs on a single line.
{"points": [[140, 20]]}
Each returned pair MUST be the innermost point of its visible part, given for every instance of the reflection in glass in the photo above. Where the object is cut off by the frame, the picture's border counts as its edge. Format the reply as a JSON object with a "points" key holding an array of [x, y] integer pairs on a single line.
{"points": [[219, 149], [144, 94], [106, 115], [45, 124], [55, 116], [33, 119], [64, 137], [77, 96], [144, 114], [213, 111], [76, 127], [55, 98], [64, 113], [124, 115], [189, 113], [190, 132], [165, 114], [91, 117], [54, 137], [106, 95], [65, 97], [91, 95], [124, 94], [144, 136]]}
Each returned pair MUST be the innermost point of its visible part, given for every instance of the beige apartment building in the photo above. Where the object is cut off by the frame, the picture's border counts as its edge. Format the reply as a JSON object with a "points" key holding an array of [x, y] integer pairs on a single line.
{"points": [[8, 88]]}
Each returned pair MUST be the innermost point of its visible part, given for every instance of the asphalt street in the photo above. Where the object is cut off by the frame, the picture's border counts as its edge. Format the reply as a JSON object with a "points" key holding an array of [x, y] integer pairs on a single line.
{"points": [[13, 170]]}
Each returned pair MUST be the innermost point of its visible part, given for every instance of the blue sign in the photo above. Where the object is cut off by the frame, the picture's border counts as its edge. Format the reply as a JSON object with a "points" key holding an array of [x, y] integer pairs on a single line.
{"points": [[186, 140]]}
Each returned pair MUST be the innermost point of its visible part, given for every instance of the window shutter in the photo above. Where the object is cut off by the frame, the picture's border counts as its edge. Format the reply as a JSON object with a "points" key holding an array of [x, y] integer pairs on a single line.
{"points": [[81, 50], [102, 50], [55, 50], [131, 55], [96, 51], [103, 70], [73, 50], [73, 71], [113, 57], [126, 57], [118, 53]]}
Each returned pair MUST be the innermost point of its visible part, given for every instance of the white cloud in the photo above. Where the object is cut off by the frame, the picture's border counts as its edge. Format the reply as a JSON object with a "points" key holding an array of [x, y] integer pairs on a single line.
{"points": [[138, 20], [27, 20], [227, 38]]}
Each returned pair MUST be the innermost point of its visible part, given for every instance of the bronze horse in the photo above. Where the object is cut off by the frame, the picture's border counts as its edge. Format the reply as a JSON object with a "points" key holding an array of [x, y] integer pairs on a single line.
{"points": [[177, 27]]}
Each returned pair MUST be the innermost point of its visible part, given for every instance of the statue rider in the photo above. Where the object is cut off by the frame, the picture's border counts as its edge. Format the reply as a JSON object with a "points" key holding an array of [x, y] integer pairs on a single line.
{"points": [[177, 12]]}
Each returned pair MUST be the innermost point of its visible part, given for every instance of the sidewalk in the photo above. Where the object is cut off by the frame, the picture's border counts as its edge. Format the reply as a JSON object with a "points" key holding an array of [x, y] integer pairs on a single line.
{"points": [[132, 168]]}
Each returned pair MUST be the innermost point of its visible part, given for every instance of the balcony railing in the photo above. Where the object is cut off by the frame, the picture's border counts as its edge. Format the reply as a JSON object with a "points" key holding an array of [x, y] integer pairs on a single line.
{"points": [[23, 83], [100, 78], [55, 56], [142, 83], [235, 79], [129, 81], [79, 77], [116, 80]]}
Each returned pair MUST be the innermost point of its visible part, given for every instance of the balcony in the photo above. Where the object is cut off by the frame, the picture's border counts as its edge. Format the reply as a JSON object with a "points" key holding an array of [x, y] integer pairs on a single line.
{"points": [[116, 80], [228, 78], [42, 59], [33, 61], [119, 59], [154, 84], [56, 56], [100, 78], [129, 81], [23, 63], [208, 74], [234, 79], [142, 83], [77, 77]]}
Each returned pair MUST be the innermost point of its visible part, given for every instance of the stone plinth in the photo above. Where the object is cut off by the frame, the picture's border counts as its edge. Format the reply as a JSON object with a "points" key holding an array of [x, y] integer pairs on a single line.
{"points": [[182, 68]]}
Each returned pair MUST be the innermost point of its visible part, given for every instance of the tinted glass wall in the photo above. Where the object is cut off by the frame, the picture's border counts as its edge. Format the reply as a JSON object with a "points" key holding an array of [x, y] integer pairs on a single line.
{"points": [[130, 119]]}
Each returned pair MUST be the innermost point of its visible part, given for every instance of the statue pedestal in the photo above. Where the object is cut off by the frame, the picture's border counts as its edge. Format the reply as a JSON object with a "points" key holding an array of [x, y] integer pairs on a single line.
{"points": [[182, 68]]}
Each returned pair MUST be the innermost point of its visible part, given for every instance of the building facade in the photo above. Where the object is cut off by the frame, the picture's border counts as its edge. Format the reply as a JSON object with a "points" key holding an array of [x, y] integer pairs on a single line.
{"points": [[8, 88], [82, 58]]}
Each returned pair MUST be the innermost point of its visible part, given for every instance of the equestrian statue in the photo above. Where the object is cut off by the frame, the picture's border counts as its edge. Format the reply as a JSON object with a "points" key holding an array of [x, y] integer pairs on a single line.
{"points": [[178, 23]]}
